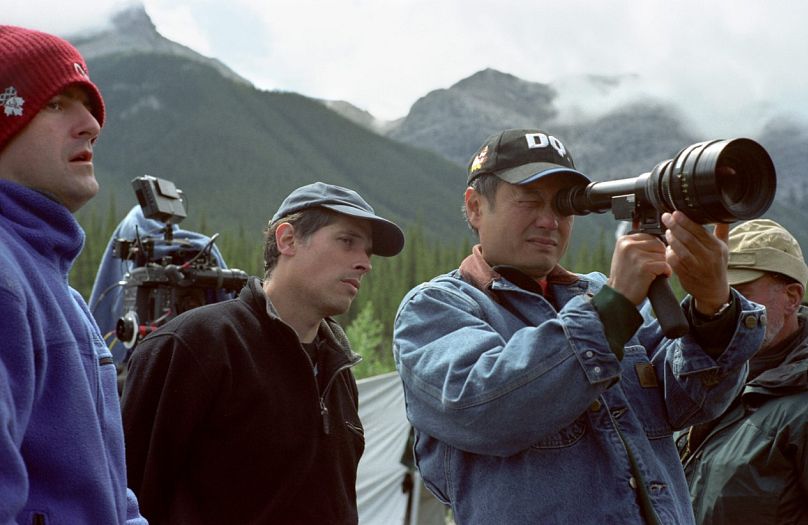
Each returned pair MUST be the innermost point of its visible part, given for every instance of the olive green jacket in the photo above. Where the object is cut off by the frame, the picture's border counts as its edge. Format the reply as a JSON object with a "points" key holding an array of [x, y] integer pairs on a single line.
{"points": [[752, 466]]}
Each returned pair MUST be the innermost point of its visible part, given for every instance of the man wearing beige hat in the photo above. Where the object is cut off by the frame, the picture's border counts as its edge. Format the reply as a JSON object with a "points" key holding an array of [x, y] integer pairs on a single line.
{"points": [[751, 464]]}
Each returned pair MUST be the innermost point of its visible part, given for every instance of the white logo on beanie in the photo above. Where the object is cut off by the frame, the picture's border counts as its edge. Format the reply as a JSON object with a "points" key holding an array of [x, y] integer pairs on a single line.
{"points": [[80, 70], [12, 104]]}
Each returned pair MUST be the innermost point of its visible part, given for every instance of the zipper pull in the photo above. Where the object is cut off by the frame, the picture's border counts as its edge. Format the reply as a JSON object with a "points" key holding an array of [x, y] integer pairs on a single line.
{"points": [[324, 414]]}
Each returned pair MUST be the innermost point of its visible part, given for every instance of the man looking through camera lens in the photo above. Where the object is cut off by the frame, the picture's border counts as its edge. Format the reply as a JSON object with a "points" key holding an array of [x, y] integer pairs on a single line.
{"points": [[541, 395]]}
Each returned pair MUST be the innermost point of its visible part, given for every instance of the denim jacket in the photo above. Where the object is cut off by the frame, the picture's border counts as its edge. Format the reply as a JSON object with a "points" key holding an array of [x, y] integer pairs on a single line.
{"points": [[521, 411]]}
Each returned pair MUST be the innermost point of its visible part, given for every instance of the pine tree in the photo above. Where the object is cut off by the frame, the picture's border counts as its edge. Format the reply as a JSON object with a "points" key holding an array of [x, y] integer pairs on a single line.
{"points": [[365, 335]]}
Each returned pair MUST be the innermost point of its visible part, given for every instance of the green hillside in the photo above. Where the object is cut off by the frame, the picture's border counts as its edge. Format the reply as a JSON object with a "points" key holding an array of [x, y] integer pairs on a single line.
{"points": [[237, 151]]}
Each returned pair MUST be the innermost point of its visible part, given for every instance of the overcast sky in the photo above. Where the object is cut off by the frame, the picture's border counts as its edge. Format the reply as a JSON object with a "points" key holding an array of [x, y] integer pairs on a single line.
{"points": [[731, 63]]}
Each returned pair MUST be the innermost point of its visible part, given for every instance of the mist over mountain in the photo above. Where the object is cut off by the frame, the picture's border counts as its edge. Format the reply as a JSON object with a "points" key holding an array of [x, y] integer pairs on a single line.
{"points": [[613, 127], [132, 31], [454, 121], [629, 139], [236, 151]]}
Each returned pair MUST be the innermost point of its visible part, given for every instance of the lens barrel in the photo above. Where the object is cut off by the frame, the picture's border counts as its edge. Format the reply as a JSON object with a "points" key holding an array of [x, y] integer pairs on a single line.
{"points": [[713, 181]]}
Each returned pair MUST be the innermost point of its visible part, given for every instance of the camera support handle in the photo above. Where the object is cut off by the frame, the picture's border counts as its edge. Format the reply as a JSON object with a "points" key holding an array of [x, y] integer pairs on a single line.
{"points": [[646, 219]]}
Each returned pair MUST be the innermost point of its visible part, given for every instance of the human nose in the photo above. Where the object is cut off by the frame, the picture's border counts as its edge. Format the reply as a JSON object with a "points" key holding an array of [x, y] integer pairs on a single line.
{"points": [[547, 218], [87, 125], [363, 264]]}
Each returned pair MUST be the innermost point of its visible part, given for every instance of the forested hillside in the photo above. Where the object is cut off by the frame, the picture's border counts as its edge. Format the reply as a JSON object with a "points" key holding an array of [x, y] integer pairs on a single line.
{"points": [[370, 319], [237, 151]]}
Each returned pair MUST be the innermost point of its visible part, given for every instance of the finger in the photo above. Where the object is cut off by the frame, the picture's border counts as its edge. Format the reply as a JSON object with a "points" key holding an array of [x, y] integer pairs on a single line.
{"points": [[721, 231], [678, 225], [676, 260], [652, 245], [660, 268], [698, 240], [681, 242], [681, 222]]}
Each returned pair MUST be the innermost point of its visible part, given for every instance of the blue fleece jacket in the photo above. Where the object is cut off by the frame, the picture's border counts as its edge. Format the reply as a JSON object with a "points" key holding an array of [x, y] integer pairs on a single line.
{"points": [[61, 440]]}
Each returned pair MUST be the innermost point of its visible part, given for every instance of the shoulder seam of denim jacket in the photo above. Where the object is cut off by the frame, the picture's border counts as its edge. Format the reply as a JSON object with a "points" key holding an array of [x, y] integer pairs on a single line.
{"points": [[453, 290]]}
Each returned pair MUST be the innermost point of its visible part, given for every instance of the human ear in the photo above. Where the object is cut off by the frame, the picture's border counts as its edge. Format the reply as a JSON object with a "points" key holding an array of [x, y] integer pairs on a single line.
{"points": [[795, 293], [285, 239], [473, 202]]}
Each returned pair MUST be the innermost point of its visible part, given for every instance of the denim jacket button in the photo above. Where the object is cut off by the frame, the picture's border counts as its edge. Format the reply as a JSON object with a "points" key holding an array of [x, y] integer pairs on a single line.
{"points": [[750, 322], [596, 370], [590, 354], [595, 406], [632, 482]]}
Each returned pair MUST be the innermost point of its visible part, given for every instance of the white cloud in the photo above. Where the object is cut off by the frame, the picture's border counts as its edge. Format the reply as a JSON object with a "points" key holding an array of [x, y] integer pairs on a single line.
{"points": [[178, 22], [729, 63], [60, 18]]}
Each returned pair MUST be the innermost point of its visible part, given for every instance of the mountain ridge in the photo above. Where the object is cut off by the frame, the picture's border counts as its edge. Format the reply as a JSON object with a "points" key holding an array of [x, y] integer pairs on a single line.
{"points": [[132, 32], [179, 115]]}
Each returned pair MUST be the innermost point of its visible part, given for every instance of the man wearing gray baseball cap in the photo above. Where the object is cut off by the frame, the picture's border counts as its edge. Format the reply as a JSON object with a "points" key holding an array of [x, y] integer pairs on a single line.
{"points": [[751, 464], [245, 411]]}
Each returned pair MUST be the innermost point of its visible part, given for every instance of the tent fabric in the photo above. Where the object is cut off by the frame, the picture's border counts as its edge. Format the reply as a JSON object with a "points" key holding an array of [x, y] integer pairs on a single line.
{"points": [[380, 497], [381, 474]]}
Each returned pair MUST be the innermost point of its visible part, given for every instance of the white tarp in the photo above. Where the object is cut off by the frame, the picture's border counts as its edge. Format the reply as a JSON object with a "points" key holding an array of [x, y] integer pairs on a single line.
{"points": [[380, 475]]}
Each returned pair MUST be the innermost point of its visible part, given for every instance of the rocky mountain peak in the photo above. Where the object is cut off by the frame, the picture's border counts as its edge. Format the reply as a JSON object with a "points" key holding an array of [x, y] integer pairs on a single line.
{"points": [[500, 88], [487, 76], [132, 31], [480, 103], [134, 21]]}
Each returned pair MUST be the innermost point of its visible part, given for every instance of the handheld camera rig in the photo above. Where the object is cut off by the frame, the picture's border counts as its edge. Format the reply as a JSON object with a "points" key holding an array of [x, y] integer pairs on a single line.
{"points": [[169, 276]]}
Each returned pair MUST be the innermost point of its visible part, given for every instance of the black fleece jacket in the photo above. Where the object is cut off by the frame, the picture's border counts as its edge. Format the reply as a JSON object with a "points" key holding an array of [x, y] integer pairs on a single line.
{"points": [[225, 422]]}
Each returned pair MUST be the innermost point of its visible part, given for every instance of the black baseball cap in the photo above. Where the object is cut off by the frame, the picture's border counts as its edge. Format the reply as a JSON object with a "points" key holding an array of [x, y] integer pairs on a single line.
{"points": [[388, 239], [522, 156]]}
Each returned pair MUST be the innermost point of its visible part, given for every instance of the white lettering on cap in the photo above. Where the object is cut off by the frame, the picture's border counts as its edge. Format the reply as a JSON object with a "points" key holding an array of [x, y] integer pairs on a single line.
{"points": [[540, 140]]}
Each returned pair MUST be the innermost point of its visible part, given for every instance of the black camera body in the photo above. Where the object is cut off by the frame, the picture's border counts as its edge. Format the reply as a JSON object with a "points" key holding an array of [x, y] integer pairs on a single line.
{"points": [[168, 276]]}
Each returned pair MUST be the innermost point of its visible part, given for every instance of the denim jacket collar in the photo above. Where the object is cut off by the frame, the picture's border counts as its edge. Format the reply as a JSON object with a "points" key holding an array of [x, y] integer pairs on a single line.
{"points": [[475, 270]]}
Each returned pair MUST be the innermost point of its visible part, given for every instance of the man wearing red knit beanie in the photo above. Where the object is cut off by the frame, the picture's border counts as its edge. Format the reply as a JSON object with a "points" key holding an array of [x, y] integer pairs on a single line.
{"points": [[61, 441]]}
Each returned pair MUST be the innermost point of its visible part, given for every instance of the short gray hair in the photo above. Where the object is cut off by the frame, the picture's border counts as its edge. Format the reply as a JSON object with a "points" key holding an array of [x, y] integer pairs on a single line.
{"points": [[486, 185]]}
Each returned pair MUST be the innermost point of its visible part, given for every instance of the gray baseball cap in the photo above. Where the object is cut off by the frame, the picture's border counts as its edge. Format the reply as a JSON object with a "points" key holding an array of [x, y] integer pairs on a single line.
{"points": [[762, 246], [388, 239]]}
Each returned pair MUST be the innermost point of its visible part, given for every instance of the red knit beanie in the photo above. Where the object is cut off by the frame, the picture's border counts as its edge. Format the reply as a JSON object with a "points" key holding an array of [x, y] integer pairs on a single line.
{"points": [[35, 67]]}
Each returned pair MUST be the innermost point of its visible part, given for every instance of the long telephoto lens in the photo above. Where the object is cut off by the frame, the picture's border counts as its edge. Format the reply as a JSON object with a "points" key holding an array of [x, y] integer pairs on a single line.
{"points": [[716, 181]]}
